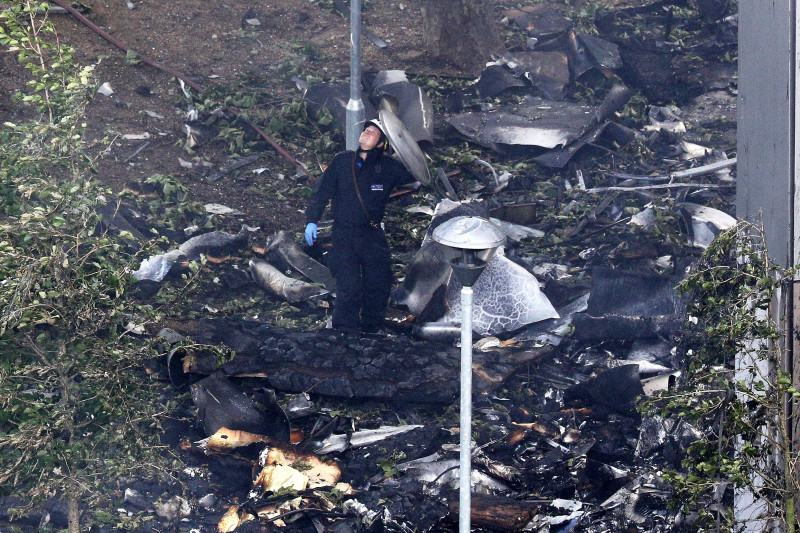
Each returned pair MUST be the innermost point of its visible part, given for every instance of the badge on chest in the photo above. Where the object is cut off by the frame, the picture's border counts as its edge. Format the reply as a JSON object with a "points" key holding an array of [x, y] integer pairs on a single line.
{"points": [[377, 187]]}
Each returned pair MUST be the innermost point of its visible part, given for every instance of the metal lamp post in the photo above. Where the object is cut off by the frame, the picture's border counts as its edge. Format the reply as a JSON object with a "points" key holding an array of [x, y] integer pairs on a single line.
{"points": [[469, 242], [354, 112]]}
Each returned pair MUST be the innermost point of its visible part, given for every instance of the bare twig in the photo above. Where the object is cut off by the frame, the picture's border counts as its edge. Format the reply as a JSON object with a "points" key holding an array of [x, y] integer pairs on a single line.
{"points": [[134, 154], [451, 192]]}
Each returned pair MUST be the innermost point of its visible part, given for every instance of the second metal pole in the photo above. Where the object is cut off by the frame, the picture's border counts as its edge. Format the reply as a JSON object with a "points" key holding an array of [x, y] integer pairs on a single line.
{"points": [[355, 107], [465, 442]]}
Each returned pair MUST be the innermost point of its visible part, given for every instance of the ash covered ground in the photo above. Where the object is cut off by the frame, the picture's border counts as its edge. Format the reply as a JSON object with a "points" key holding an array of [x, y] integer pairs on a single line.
{"points": [[559, 445]]}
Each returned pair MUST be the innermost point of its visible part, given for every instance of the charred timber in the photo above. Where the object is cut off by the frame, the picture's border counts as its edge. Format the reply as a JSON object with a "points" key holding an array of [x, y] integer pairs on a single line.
{"points": [[497, 512], [392, 367]]}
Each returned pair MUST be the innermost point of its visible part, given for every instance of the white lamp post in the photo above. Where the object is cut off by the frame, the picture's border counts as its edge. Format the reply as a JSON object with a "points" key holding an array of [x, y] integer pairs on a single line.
{"points": [[469, 242]]}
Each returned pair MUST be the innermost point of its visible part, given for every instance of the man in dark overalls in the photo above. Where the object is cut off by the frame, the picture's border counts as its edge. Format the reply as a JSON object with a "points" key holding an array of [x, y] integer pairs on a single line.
{"points": [[358, 184]]}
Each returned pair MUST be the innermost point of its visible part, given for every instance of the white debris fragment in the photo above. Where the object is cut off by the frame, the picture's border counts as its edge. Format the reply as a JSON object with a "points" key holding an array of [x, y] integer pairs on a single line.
{"points": [[253, 22], [156, 267], [487, 343], [208, 501], [219, 209], [134, 497], [185, 91], [705, 223], [660, 383], [693, 151], [338, 443], [105, 89], [137, 329], [516, 232], [664, 262], [445, 473], [185, 164], [136, 136], [568, 505], [420, 209], [153, 114], [666, 119], [644, 218], [176, 507]]}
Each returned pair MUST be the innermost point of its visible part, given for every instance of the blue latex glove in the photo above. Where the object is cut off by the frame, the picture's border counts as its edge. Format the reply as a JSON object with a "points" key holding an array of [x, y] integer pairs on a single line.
{"points": [[311, 233]]}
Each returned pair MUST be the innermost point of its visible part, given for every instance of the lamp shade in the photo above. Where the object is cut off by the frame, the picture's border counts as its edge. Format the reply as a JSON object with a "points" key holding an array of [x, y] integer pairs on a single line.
{"points": [[469, 233], [469, 243]]}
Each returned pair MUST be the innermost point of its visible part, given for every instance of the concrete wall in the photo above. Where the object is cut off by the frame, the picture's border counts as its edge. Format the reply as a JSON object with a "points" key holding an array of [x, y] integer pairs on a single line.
{"points": [[766, 175], [766, 107]]}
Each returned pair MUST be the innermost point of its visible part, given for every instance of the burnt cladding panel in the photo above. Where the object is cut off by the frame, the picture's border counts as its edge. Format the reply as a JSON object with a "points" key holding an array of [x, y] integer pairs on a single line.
{"points": [[765, 121]]}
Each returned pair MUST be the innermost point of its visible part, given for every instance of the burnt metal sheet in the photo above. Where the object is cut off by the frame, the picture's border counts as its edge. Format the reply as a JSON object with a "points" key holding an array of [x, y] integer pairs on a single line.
{"points": [[534, 122], [704, 223], [278, 284], [495, 80], [334, 97], [632, 293], [155, 268], [406, 148], [410, 103], [605, 53], [550, 71], [615, 390], [284, 253], [220, 404], [541, 22], [523, 214], [631, 305]]}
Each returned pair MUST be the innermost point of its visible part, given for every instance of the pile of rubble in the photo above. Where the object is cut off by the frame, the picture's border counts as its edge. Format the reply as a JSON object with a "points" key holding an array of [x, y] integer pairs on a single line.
{"points": [[576, 320]]}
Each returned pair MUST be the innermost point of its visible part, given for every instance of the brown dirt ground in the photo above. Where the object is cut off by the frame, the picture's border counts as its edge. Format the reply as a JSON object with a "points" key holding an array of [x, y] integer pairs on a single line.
{"points": [[211, 43]]}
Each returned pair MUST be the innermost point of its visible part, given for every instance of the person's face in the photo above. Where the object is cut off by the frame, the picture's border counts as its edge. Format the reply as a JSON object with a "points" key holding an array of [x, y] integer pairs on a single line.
{"points": [[369, 138]]}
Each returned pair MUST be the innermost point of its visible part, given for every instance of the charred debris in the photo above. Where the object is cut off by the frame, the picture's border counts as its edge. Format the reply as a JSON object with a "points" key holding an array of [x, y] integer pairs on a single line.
{"points": [[606, 157]]}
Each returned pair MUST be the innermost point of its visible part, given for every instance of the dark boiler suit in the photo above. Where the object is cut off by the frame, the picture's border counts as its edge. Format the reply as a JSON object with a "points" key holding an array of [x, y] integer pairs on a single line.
{"points": [[360, 259]]}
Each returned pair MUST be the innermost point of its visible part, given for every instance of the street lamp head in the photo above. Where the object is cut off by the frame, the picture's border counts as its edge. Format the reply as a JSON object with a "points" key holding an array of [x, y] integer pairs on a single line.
{"points": [[469, 243]]}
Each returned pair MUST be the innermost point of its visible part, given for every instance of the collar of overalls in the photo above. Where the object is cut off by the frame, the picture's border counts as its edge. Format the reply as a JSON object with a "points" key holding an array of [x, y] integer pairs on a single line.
{"points": [[373, 156]]}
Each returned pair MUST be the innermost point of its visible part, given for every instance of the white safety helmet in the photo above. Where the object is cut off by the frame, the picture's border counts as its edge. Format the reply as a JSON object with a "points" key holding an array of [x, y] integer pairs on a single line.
{"points": [[383, 143]]}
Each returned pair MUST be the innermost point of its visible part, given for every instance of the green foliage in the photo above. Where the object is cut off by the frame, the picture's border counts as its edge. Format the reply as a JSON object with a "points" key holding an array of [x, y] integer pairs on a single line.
{"points": [[171, 188], [742, 407], [132, 59], [389, 464], [57, 89], [288, 118], [585, 15], [73, 409], [171, 207]]}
